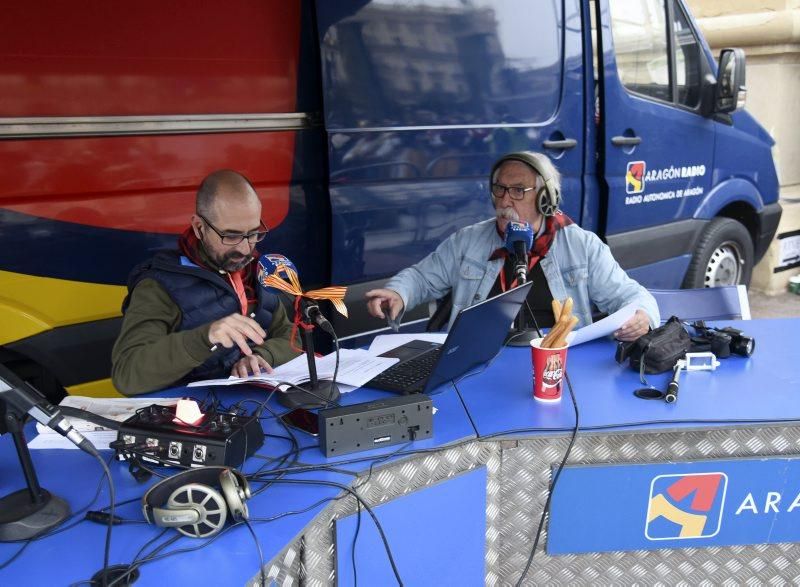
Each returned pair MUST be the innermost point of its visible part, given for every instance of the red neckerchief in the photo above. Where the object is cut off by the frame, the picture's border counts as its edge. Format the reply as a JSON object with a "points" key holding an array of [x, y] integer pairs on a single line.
{"points": [[541, 245], [190, 245]]}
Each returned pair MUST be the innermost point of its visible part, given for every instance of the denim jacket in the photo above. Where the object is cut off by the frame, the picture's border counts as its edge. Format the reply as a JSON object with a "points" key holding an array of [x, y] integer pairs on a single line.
{"points": [[578, 264]]}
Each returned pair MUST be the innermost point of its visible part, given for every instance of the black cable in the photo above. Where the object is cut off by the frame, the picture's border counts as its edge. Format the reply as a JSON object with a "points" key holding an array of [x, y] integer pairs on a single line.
{"points": [[355, 540], [378, 526], [336, 367], [260, 553], [75, 521], [79, 414], [154, 556], [112, 500], [153, 540], [556, 475], [16, 555]]}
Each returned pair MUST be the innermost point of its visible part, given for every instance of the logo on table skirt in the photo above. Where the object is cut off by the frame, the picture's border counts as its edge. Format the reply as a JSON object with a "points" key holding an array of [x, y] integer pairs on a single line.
{"points": [[553, 371], [685, 506], [634, 178]]}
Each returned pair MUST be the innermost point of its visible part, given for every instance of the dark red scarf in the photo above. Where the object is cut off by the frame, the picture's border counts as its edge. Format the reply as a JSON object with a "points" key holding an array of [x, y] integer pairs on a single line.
{"points": [[190, 245], [541, 244]]}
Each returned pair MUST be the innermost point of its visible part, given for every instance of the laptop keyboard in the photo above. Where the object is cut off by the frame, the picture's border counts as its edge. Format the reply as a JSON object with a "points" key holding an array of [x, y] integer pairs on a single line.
{"points": [[409, 376]]}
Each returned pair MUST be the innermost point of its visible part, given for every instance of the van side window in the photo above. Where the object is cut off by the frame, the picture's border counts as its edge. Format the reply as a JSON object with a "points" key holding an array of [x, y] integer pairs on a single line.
{"points": [[639, 30], [389, 63], [687, 60]]}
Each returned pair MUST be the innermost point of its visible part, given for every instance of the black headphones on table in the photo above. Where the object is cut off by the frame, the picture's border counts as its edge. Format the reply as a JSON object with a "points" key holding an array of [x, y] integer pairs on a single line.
{"points": [[197, 501], [548, 198]]}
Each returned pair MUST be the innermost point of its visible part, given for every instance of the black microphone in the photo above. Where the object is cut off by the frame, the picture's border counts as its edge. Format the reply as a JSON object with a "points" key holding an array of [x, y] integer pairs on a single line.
{"points": [[20, 396], [313, 314], [521, 261]]}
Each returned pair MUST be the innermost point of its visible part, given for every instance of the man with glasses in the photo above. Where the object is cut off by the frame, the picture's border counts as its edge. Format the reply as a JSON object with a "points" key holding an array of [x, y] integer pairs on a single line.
{"points": [[198, 312], [565, 260]]}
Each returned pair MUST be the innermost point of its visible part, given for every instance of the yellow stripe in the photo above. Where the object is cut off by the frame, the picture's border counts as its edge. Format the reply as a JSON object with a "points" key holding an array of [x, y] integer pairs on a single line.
{"points": [[30, 305], [101, 388]]}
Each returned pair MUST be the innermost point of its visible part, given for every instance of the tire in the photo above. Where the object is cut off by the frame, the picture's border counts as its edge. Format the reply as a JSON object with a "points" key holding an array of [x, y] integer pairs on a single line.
{"points": [[723, 256]]}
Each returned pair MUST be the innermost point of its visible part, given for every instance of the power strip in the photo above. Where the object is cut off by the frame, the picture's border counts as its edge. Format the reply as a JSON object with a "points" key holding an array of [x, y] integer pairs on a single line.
{"points": [[374, 424]]}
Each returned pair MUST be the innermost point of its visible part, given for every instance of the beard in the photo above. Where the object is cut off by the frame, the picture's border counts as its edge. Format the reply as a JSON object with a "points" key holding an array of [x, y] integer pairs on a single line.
{"points": [[233, 261]]}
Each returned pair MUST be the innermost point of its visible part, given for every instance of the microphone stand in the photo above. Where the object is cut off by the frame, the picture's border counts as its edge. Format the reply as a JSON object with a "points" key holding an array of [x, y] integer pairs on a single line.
{"points": [[520, 335], [314, 393], [32, 511]]}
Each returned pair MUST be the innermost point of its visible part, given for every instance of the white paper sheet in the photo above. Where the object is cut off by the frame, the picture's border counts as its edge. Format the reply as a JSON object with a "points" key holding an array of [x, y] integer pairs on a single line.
{"points": [[100, 439], [356, 367], [387, 342], [604, 327], [118, 409]]}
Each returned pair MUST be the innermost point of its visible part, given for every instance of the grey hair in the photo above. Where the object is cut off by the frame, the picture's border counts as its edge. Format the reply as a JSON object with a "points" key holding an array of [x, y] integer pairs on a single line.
{"points": [[539, 162]]}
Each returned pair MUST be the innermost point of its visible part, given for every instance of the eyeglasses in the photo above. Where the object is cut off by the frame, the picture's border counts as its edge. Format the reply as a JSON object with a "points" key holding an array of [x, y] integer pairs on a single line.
{"points": [[517, 193], [232, 239]]}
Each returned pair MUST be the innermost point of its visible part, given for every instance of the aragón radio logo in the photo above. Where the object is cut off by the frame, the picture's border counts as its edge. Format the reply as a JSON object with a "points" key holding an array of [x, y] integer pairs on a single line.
{"points": [[685, 506], [634, 177]]}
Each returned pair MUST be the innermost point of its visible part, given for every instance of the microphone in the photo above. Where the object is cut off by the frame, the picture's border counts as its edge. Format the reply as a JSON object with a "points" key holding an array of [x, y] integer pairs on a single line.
{"points": [[276, 264], [23, 398], [519, 238], [313, 314]]}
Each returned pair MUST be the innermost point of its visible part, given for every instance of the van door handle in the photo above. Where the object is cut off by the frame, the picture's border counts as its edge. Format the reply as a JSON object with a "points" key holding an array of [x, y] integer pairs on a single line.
{"points": [[562, 144], [625, 141]]}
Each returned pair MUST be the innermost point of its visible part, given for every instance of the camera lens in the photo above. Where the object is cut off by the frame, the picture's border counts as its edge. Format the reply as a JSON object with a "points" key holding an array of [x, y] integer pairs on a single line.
{"points": [[743, 346]]}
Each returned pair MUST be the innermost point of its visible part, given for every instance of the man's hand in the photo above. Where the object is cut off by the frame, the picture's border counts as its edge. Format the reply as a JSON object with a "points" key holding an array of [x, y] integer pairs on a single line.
{"points": [[637, 326], [236, 330], [379, 300], [255, 364]]}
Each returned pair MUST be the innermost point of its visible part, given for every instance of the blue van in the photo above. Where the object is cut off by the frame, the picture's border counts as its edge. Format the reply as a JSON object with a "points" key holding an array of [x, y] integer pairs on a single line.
{"points": [[656, 155]]}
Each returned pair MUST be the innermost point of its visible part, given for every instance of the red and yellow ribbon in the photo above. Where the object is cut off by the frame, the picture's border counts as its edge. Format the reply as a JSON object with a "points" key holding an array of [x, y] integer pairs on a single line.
{"points": [[334, 294]]}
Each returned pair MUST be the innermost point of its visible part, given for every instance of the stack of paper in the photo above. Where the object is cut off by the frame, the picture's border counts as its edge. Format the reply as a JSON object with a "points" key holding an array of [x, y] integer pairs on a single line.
{"points": [[356, 367], [119, 409]]}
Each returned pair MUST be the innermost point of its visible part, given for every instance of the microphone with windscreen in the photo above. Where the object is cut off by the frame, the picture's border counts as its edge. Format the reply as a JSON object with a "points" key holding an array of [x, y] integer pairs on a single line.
{"points": [[519, 239], [277, 274]]}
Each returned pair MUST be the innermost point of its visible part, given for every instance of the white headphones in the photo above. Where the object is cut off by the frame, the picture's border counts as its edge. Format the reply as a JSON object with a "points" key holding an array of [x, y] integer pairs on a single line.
{"points": [[191, 502]]}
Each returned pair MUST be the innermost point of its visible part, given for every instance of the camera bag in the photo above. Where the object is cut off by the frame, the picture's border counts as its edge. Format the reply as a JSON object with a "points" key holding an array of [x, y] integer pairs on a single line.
{"points": [[658, 350]]}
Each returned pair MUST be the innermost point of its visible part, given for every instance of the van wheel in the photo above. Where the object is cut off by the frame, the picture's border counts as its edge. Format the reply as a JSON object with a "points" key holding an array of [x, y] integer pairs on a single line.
{"points": [[724, 256]]}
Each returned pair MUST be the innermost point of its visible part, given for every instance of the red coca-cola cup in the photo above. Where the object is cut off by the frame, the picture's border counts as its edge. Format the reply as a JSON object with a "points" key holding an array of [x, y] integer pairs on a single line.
{"points": [[548, 371]]}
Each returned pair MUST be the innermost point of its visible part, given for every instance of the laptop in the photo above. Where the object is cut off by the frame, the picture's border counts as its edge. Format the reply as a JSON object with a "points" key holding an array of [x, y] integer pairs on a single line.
{"points": [[475, 337]]}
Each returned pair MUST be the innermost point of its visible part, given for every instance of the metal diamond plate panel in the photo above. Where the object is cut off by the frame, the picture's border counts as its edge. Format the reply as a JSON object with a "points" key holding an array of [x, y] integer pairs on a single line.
{"points": [[517, 488]]}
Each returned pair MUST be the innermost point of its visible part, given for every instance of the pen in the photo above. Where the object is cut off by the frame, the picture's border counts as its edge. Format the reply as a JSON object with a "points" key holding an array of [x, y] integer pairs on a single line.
{"points": [[214, 347]]}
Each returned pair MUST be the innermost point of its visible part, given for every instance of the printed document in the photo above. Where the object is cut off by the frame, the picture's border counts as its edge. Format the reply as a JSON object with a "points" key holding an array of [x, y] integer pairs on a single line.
{"points": [[604, 327], [119, 409]]}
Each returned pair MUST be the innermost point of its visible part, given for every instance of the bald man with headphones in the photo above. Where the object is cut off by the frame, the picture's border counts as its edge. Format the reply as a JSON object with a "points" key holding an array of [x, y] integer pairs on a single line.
{"points": [[565, 260]]}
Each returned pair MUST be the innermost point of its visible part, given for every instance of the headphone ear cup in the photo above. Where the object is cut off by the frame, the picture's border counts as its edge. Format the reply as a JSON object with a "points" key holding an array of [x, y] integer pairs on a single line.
{"points": [[548, 200], [210, 506], [236, 491]]}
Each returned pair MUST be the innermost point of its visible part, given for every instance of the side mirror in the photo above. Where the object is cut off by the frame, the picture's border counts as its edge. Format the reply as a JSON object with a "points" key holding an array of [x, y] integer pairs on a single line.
{"points": [[730, 89]]}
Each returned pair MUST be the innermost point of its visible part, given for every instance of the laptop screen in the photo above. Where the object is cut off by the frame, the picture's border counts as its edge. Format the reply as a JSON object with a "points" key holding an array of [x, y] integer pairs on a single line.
{"points": [[477, 334]]}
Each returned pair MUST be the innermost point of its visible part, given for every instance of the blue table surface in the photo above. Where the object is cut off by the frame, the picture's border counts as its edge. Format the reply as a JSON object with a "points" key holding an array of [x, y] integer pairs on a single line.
{"points": [[764, 387], [494, 401], [76, 554]]}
